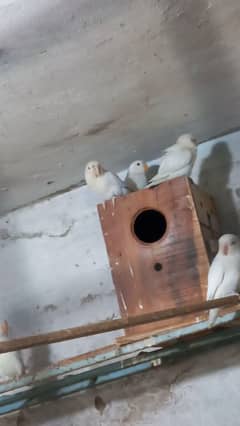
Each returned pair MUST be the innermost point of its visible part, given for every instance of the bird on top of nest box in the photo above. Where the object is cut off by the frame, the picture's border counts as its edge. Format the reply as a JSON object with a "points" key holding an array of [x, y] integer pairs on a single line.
{"points": [[178, 160], [224, 272], [11, 365], [136, 175], [104, 182]]}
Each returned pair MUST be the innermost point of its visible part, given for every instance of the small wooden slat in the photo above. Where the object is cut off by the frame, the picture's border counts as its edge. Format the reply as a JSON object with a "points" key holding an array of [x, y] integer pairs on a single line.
{"points": [[111, 325]]}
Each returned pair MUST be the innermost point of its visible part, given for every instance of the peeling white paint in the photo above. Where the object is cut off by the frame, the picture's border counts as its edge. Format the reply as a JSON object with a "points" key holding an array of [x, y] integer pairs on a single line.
{"points": [[157, 362], [131, 270], [123, 301], [114, 202]]}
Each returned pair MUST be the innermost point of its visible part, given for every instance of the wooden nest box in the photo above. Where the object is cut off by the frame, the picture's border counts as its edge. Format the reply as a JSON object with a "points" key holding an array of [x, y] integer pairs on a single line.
{"points": [[160, 242]]}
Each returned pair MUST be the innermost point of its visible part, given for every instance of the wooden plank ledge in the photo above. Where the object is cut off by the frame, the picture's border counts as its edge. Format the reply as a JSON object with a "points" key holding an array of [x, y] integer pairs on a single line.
{"points": [[111, 325]]}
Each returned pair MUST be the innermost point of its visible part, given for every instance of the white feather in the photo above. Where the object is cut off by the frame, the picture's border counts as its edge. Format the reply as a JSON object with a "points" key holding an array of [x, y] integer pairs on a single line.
{"points": [[136, 176], [224, 273], [10, 363], [178, 160], [105, 182]]}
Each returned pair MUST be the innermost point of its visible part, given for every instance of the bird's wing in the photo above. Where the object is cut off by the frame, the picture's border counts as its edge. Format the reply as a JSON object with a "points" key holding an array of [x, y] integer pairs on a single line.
{"points": [[152, 171], [117, 185], [229, 284], [215, 277], [222, 287], [173, 161], [130, 184], [113, 179]]}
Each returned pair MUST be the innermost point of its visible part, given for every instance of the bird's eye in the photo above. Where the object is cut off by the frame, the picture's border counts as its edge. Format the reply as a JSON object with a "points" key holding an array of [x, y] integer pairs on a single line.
{"points": [[233, 243], [138, 164]]}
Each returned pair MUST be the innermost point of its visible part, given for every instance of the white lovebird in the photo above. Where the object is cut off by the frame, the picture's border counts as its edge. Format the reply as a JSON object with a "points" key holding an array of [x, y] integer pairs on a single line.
{"points": [[104, 182], [178, 160], [11, 366], [224, 272], [136, 175]]}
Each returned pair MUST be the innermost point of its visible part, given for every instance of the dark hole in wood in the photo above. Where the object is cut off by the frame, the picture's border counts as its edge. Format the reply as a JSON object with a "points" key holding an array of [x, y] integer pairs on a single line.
{"points": [[158, 266], [150, 226]]}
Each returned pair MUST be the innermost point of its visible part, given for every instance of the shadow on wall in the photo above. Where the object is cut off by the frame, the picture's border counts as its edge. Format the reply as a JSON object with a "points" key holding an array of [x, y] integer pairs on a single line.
{"points": [[214, 177], [35, 358], [16, 286]]}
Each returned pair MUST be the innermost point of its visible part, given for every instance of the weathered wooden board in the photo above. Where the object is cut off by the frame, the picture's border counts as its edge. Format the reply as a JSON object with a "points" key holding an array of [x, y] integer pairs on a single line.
{"points": [[171, 271]]}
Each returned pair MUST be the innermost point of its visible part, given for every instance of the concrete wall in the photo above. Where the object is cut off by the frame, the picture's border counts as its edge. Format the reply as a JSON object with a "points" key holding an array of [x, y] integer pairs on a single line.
{"points": [[84, 78], [55, 274], [200, 391]]}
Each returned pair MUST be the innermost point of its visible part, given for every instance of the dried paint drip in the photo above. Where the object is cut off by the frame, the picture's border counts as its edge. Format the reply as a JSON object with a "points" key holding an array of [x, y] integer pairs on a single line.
{"points": [[156, 362], [190, 202], [151, 342], [113, 202], [123, 302], [131, 270], [140, 305]]}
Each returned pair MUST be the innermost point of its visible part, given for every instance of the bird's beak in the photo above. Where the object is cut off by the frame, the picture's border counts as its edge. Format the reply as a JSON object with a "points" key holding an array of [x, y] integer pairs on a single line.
{"points": [[225, 249], [97, 170], [146, 168]]}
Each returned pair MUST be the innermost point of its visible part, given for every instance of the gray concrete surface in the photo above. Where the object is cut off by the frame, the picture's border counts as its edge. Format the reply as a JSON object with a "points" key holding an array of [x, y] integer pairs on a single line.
{"points": [[202, 390], [112, 80]]}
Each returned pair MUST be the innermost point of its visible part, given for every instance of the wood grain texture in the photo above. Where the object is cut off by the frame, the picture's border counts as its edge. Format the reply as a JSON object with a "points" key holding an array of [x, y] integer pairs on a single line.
{"points": [[183, 251]]}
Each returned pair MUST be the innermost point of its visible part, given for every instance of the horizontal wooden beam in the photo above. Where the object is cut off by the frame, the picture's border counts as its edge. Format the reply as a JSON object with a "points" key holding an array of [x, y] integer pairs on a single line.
{"points": [[111, 325]]}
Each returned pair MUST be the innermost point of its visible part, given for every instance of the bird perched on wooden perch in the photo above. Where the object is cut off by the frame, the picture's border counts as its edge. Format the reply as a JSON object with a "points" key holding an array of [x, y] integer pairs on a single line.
{"points": [[11, 365], [224, 272], [136, 175], [104, 182], [178, 160]]}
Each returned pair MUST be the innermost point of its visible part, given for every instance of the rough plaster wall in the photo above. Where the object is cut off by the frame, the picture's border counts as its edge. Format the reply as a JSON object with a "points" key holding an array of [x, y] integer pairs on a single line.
{"points": [[202, 390], [56, 272], [109, 79], [56, 275]]}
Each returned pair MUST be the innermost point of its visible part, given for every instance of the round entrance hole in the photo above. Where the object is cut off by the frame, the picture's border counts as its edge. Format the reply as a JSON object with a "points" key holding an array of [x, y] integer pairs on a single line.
{"points": [[158, 266], [150, 226]]}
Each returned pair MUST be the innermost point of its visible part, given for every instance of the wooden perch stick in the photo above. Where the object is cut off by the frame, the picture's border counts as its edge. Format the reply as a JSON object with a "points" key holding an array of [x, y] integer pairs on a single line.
{"points": [[111, 325]]}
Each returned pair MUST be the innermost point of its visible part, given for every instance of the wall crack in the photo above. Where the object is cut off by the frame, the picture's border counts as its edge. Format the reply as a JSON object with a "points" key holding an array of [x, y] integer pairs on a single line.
{"points": [[6, 235]]}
